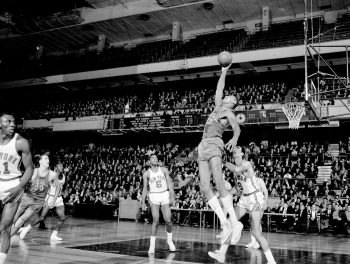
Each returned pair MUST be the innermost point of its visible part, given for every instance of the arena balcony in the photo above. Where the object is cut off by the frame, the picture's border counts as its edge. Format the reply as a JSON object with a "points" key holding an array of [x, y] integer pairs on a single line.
{"points": [[279, 34]]}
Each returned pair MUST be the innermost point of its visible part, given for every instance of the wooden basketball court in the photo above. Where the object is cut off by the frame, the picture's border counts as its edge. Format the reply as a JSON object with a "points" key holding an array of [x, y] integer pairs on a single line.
{"points": [[110, 242]]}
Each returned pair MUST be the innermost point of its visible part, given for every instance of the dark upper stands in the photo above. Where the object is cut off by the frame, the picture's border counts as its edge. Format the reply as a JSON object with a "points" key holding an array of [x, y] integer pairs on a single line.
{"points": [[279, 34]]}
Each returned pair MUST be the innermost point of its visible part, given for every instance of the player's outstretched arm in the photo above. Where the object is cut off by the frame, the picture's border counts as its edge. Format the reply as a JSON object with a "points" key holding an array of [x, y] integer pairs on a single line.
{"points": [[220, 86], [236, 130], [229, 165]]}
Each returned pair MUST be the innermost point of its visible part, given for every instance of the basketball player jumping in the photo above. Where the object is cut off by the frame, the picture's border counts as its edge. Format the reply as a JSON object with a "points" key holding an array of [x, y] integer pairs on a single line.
{"points": [[13, 150], [210, 152], [33, 200], [51, 201], [161, 194], [251, 201]]}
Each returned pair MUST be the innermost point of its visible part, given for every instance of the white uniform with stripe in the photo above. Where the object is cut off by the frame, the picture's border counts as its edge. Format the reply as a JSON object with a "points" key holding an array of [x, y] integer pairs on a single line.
{"points": [[158, 187], [51, 194], [10, 161], [252, 198]]}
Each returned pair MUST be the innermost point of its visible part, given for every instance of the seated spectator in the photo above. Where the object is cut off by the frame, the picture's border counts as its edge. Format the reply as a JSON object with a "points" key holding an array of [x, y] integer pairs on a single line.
{"points": [[301, 218], [313, 217], [337, 220]]}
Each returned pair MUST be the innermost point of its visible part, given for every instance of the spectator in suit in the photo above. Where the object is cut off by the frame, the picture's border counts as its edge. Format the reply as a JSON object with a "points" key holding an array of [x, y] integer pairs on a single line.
{"points": [[301, 219], [313, 217]]}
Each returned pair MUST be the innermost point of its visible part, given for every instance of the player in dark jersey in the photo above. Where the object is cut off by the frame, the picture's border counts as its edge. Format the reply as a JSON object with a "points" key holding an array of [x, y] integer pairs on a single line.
{"points": [[13, 150], [210, 152], [33, 200], [51, 201]]}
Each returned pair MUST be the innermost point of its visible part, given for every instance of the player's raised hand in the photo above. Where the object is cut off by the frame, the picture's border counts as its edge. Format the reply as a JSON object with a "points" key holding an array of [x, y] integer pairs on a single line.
{"points": [[231, 145], [225, 69]]}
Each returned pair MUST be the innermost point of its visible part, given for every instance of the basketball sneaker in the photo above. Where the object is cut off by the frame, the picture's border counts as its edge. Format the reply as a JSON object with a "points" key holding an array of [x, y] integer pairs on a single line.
{"points": [[249, 245], [55, 237], [220, 257], [236, 233], [24, 231], [256, 245], [172, 247]]}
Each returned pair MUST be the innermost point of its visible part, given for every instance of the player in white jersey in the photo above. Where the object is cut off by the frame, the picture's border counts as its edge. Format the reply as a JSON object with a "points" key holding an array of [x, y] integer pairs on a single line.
{"points": [[161, 194], [252, 201], [13, 150], [53, 199], [262, 187]]}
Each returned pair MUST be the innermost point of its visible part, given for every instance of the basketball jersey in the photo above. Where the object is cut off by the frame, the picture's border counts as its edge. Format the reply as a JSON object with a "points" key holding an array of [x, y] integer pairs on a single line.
{"points": [[10, 160], [213, 127], [247, 182], [157, 181], [260, 183], [40, 185], [53, 187]]}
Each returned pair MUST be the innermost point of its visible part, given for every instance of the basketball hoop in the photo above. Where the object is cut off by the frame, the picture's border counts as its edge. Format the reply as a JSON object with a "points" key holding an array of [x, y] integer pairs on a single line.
{"points": [[294, 112]]}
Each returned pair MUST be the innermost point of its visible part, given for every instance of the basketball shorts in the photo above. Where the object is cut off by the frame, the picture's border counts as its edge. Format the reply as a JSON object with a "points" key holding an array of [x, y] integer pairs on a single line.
{"points": [[30, 203], [210, 147], [58, 203], [160, 198], [8, 184], [252, 202]]}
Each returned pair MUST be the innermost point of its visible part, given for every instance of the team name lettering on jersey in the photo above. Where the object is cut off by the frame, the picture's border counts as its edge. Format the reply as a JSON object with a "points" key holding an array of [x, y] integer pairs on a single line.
{"points": [[8, 158], [157, 178]]}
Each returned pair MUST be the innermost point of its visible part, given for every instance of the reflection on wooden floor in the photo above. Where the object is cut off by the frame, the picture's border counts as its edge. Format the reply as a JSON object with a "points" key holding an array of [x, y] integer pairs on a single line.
{"points": [[104, 242]]}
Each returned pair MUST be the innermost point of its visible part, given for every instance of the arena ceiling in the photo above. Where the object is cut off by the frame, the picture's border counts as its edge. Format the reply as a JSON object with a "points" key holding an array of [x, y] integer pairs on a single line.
{"points": [[65, 25]]}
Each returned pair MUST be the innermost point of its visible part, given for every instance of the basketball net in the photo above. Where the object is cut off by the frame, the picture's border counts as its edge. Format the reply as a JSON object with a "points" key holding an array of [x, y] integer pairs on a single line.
{"points": [[294, 112]]}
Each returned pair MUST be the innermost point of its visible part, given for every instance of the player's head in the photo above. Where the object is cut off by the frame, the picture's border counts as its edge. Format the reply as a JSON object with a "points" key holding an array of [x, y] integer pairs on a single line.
{"points": [[238, 154], [7, 124], [59, 167], [44, 161], [230, 101], [154, 160]]}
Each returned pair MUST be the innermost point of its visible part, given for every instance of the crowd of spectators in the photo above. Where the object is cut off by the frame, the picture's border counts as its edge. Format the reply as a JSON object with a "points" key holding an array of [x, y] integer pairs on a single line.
{"points": [[188, 100], [103, 175]]}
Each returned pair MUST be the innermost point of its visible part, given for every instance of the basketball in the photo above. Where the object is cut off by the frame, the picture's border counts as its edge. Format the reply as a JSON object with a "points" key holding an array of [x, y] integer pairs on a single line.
{"points": [[224, 58]]}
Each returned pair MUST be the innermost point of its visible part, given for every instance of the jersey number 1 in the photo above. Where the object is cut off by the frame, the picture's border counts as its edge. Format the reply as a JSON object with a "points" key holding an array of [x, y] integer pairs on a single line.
{"points": [[6, 168]]}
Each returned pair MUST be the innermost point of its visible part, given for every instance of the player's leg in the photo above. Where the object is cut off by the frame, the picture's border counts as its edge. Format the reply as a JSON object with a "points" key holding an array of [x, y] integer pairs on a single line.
{"points": [[25, 230], [226, 199], [166, 211], [17, 222], [28, 213], [253, 242], [220, 254], [155, 217], [7, 216], [205, 176], [62, 216], [255, 217]]}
